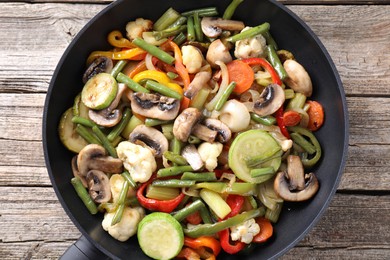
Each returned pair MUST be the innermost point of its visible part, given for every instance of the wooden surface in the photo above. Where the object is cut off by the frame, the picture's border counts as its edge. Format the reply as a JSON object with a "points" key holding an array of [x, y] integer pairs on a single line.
{"points": [[33, 36]]}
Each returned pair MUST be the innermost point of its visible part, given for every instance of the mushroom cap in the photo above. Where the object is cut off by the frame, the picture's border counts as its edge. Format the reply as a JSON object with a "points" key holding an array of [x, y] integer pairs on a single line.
{"points": [[154, 106], [281, 187], [150, 137], [224, 133], [270, 100], [98, 186], [218, 51], [295, 172], [76, 172], [94, 157], [298, 79], [184, 122], [99, 65]]}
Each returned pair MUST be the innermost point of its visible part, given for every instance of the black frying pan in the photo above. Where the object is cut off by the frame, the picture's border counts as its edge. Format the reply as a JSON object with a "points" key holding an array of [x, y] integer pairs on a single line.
{"points": [[290, 32]]}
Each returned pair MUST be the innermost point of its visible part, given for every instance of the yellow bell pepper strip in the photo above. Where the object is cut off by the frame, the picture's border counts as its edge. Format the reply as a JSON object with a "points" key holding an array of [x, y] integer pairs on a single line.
{"points": [[116, 39], [129, 54]]}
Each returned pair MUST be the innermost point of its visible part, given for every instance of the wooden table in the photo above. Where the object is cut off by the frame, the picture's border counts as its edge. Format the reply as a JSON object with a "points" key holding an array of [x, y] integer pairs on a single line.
{"points": [[33, 36]]}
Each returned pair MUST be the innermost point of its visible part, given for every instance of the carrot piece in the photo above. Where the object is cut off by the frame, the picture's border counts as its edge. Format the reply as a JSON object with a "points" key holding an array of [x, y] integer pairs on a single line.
{"points": [[291, 118], [184, 103], [242, 74], [316, 115], [266, 230], [141, 66]]}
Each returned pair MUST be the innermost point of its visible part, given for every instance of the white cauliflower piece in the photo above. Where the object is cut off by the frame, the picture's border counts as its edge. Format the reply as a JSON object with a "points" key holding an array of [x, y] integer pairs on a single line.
{"points": [[245, 231], [209, 153], [116, 184], [135, 28], [192, 58], [138, 160], [250, 47], [125, 228]]}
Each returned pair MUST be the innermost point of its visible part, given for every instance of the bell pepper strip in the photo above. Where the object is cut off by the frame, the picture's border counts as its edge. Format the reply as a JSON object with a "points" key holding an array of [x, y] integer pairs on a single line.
{"points": [[266, 230], [160, 77], [228, 246], [116, 39], [236, 203], [128, 54], [203, 241], [211, 229], [141, 66], [279, 120], [166, 206]]}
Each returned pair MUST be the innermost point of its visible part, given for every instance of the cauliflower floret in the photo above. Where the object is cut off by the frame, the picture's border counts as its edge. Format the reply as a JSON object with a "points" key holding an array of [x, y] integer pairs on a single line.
{"points": [[192, 58], [116, 184], [250, 47], [125, 228], [135, 28], [139, 161], [209, 153], [245, 231]]}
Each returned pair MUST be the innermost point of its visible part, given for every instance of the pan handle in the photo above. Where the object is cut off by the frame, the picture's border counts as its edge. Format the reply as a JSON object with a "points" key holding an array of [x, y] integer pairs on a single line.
{"points": [[82, 249]]}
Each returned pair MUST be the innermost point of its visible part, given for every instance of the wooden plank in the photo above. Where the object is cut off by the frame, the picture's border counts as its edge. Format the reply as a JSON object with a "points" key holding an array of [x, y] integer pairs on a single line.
{"points": [[39, 51]]}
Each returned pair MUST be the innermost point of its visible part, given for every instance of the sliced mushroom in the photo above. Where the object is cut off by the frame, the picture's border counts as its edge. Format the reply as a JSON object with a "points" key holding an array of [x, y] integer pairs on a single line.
{"points": [[109, 116], [298, 79], [154, 106], [99, 65], [76, 172], [213, 27], [224, 133], [270, 100], [191, 154], [151, 137], [281, 187], [98, 186], [184, 122], [295, 172], [204, 133], [218, 52], [200, 80], [94, 157]]}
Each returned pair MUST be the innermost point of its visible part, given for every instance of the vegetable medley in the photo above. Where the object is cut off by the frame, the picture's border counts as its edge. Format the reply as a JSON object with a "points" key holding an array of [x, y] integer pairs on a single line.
{"points": [[191, 132]]}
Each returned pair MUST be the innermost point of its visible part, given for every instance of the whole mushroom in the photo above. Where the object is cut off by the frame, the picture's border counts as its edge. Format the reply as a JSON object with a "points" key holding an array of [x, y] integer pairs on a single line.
{"points": [[218, 51], [298, 79]]}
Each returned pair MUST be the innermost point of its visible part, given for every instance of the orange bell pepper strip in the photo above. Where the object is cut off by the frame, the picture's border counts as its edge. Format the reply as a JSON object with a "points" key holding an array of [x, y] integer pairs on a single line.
{"points": [[203, 241], [129, 54]]}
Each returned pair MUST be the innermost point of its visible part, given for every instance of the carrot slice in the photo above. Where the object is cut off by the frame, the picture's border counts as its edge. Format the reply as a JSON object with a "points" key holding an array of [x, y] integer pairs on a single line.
{"points": [[291, 118], [266, 230], [242, 74], [316, 115]]}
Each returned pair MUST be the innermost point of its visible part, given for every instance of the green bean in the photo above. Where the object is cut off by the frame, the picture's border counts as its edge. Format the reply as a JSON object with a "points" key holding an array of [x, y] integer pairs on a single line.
{"points": [[118, 214], [175, 158], [169, 32], [176, 145], [117, 130], [264, 120], [126, 175], [225, 95], [84, 196], [173, 183], [211, 229], [252, 201], [166, 19], [86, 135], [172, 75], [180, 38], [273, 58], [302, 142], [179, 21], [199, 176], [167, 131], [154, 122], [174, 170], [300, 130], [250, 32], [118, 67], [190, 29], [207, 11], [188, 210], [162, 89], [270, 40], [121, 203], [205, 215], [229, 11], [198, 28], [134, 86], [154, 51], [82, 121], [106, 143]]}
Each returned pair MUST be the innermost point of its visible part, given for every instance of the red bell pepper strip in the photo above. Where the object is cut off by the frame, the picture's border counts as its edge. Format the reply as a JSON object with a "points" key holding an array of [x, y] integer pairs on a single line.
{"points": [[166, 206], [230, 248], [275, 79], [203, 241], [235, 202]]}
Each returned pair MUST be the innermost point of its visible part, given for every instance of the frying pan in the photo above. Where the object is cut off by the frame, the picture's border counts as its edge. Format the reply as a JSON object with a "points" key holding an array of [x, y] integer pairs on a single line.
{"points": [[289, 31]]}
